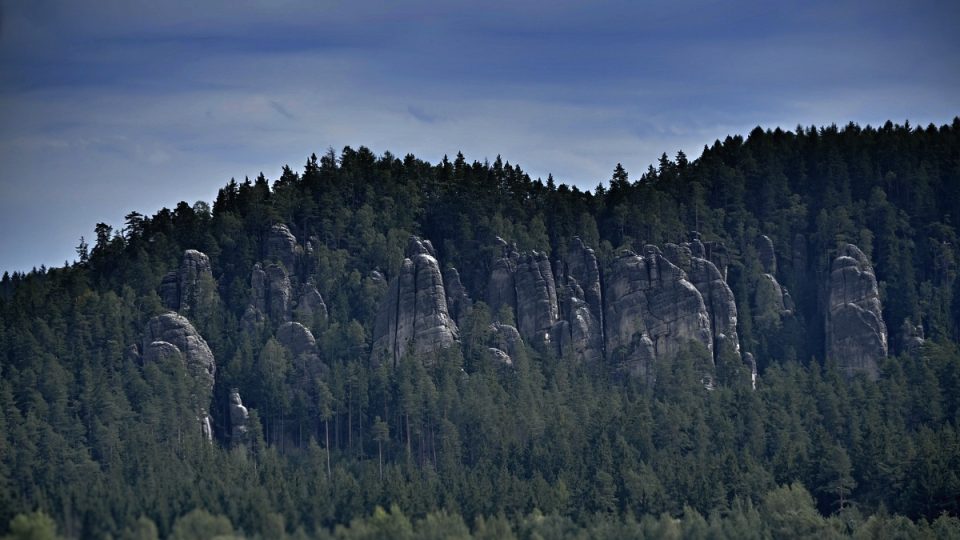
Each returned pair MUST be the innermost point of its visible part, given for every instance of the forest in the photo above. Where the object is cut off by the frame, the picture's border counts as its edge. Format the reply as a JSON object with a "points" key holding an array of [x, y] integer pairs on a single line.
{"points": [[331, 353]]}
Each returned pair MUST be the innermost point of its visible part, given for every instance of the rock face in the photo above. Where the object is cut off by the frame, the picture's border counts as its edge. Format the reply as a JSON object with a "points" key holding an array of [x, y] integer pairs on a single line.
{"points": [[501, 288], [652, 311], [505, 343], [458, 301], [310, 306], [281, 245], [298, 339], [771, 300], [172, 334], [271, 291], [581, 304], [717, 296], [536, 308], [239, 418], [413, 315], [856, 333], [186, 289]]}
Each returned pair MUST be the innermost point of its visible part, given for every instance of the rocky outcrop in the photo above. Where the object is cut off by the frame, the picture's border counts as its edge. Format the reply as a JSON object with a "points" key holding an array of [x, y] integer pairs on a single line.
{"points": [[281, 246], [505, 343], [911, 337], [191, 286], [537, 308], [311, 307], [298, 339], [856, 333], [771, 300], [580, 330], [717, 296], [171, 337], [766, 254], [652, 311], [239, 418], [413, 316], [501, 287], [271, 291], [171, 334], [458, 301]]}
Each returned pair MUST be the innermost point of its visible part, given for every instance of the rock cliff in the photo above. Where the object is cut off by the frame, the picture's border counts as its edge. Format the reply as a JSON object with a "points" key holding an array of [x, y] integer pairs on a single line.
{"points": [[190, 287], [652, 311], [413, 316], [855, 331]]}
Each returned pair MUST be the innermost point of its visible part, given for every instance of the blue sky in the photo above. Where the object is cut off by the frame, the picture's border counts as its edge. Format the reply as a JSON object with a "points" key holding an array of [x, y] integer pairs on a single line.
{"points": [[108, 106]]}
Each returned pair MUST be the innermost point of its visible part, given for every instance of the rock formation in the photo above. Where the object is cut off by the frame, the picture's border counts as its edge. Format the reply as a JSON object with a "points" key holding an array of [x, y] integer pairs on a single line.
{"points": [[171, 336], [911, 337], [310, 306], [271, 291], [458, 301], [652, 311], [505, 344], [239, 418], [281, 245], [190, 286], [537, 309], [580, 331], [717, 296], [771, 300], [298, 339], [856, 333], [413, 315]]}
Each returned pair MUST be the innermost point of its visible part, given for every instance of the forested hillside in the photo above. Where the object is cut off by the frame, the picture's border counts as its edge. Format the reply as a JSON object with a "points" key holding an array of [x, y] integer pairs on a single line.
{"points": [[761, 342]]}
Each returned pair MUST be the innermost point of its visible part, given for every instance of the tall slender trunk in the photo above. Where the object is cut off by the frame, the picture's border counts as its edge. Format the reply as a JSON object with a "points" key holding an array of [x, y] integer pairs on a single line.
{"points": [[326, 429]]}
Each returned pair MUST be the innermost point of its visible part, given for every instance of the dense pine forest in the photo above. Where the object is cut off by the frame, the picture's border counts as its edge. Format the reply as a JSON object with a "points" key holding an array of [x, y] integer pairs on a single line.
{"points": [[240, 369]]}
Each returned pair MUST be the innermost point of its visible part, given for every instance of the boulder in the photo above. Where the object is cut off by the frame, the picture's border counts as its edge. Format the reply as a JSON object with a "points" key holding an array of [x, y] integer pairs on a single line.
{"points": [[298, 339], [856, 333], [652, 311], [413, 315]]}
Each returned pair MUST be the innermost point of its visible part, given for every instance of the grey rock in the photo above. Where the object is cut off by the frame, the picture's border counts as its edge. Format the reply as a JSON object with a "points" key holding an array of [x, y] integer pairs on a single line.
{"points": [[500, 357], [771, 302], [458, 301], [298, 339], [856, 333], [311, 306], [652, 311], [501, 288], [506, 338], [196, 277], [239, 418], [161, 351], [172, 332], [188, 289], [206, 426], [717, 295], [911, 337], [253, 321], [581, 276], [258, 288], [413, 315], [751, 364], [580, 333], [279, 293], [282, 246], [537, 308], [766, 254]]}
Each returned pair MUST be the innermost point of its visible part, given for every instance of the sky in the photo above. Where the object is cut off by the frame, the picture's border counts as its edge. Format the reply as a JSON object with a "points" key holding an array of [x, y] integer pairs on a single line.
{"points": [[112, 106]]}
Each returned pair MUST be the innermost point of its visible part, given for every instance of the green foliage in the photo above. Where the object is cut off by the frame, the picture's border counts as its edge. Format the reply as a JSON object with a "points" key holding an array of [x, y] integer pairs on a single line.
{"points": [[456, 446]]}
